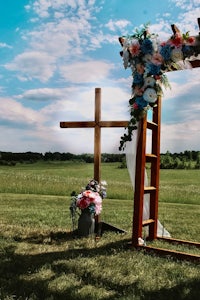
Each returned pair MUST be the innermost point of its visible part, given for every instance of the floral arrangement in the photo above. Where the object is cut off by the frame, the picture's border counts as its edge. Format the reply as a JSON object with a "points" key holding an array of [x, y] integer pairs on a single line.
{"points": [[149, 60], [90, 198]]}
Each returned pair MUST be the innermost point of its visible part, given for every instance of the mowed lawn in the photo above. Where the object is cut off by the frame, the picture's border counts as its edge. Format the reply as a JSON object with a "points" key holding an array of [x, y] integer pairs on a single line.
{"points": [[41, 258]]}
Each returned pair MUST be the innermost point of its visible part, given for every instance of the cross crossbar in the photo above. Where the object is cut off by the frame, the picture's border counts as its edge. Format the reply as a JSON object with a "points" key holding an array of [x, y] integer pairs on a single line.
{"points": [[97, 124]]}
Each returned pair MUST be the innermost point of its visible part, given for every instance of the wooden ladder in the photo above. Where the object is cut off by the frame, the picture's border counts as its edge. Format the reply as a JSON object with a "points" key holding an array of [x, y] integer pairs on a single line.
{"points": [[153, 189]]}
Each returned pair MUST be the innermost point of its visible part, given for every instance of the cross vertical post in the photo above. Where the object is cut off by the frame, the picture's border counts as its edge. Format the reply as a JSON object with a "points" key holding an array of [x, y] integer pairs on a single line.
{"points": [[97, 136]]}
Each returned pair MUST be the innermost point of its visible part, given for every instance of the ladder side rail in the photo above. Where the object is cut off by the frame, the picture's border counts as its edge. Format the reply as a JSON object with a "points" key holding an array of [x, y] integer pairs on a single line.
{"points": [[155, 170], [139, 184]]}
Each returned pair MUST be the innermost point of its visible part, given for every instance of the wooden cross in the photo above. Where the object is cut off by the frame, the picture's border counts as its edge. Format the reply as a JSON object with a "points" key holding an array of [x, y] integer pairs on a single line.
{"points": [[97, 124]]}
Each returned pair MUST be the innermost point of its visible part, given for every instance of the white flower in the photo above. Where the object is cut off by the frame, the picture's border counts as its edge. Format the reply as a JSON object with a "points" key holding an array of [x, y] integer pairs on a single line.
{"points": [[176, 54], [149, 81], [150, 95], [103, 183]]}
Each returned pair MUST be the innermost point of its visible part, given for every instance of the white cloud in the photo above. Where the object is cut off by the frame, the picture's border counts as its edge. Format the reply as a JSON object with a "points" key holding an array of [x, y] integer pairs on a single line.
{"points": [[41, 129], [89, 71], [63, 38], [188, 21], [33, 64], [180, 136], [43, 8], [15, 113], [4, 45], [183, 83], [42, 94], [118, 24], [186, 4], [187, 18], [68, 34]]}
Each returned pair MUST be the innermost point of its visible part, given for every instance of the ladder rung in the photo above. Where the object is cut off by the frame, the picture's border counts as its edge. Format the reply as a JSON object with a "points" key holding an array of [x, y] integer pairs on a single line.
{"points": [[152, 125], [149, 189], [150, 157], [148, 222]]}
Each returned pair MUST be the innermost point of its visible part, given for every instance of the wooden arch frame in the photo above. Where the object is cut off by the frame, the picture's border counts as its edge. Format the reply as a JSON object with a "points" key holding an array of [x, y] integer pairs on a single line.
{"points": [[153, 190]]}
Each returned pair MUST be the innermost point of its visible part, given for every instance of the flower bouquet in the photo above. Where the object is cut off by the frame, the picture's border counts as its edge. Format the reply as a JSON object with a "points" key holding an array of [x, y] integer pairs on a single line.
{"points": [[89, 202]]}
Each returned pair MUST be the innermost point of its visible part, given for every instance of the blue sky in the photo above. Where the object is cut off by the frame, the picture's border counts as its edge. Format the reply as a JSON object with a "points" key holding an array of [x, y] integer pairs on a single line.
{"points": [[55, 52]]}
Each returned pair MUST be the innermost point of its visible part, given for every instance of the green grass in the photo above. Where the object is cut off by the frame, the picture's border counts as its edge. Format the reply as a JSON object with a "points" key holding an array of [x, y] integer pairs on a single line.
{"points": [[40, 258], [180, 186]]}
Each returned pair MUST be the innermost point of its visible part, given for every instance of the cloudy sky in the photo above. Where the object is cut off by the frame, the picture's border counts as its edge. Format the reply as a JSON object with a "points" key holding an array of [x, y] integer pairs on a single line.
{"points": [[55, 52]]}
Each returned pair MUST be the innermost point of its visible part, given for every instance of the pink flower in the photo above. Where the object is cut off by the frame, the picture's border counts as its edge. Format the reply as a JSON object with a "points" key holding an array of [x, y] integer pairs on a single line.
{"points": [[98, 209], [134, 48], [89, 194], [157, 77], [191, 40], [176, 41], [135, 106], [140, 68], [157, 59], [88, 198], [83, 203], [138, 91], [162, 44], [97, 199]]}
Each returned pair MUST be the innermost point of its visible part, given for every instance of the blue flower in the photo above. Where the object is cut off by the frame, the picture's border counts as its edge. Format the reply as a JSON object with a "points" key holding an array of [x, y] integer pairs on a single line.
{"points": [[138, 78], [141, 102], [153, 69], [166, 52], [187, 50], [147, 46]]}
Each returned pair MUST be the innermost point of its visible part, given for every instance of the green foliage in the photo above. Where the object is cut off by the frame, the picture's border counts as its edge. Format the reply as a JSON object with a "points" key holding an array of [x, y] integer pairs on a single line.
{"points": [[31, 157], [182, 160]]}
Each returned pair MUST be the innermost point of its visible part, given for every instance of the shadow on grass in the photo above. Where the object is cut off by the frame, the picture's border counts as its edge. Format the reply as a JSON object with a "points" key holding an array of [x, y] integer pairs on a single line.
{"points": [[13, 268], [49, 238]]}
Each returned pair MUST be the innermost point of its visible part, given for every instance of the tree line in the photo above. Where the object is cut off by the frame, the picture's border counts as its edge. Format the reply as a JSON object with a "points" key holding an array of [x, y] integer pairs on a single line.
{"points": [[31, 157], [182, 160]]}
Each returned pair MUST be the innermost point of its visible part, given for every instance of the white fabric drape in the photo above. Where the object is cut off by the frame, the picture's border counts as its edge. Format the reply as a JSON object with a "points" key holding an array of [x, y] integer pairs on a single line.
{"points": [[131, 151]]}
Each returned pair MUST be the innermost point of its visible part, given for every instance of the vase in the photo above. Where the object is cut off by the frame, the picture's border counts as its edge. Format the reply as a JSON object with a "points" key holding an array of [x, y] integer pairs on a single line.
{"points": [[86, 223]]}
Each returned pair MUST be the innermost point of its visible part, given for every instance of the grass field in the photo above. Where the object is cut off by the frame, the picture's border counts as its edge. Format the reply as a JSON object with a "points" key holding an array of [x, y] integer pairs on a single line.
{"points": [[41, 259]]}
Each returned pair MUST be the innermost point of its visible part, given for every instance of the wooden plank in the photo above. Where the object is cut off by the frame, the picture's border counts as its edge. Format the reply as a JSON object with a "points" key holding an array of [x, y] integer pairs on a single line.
{"points": [[97, 136], [151, 125], [139, 184], [155, 170], [150, 157], [195, 63], [149, 189], [113, 123], [147, 222], [171, 253], [77, 124], [178, 241]]}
